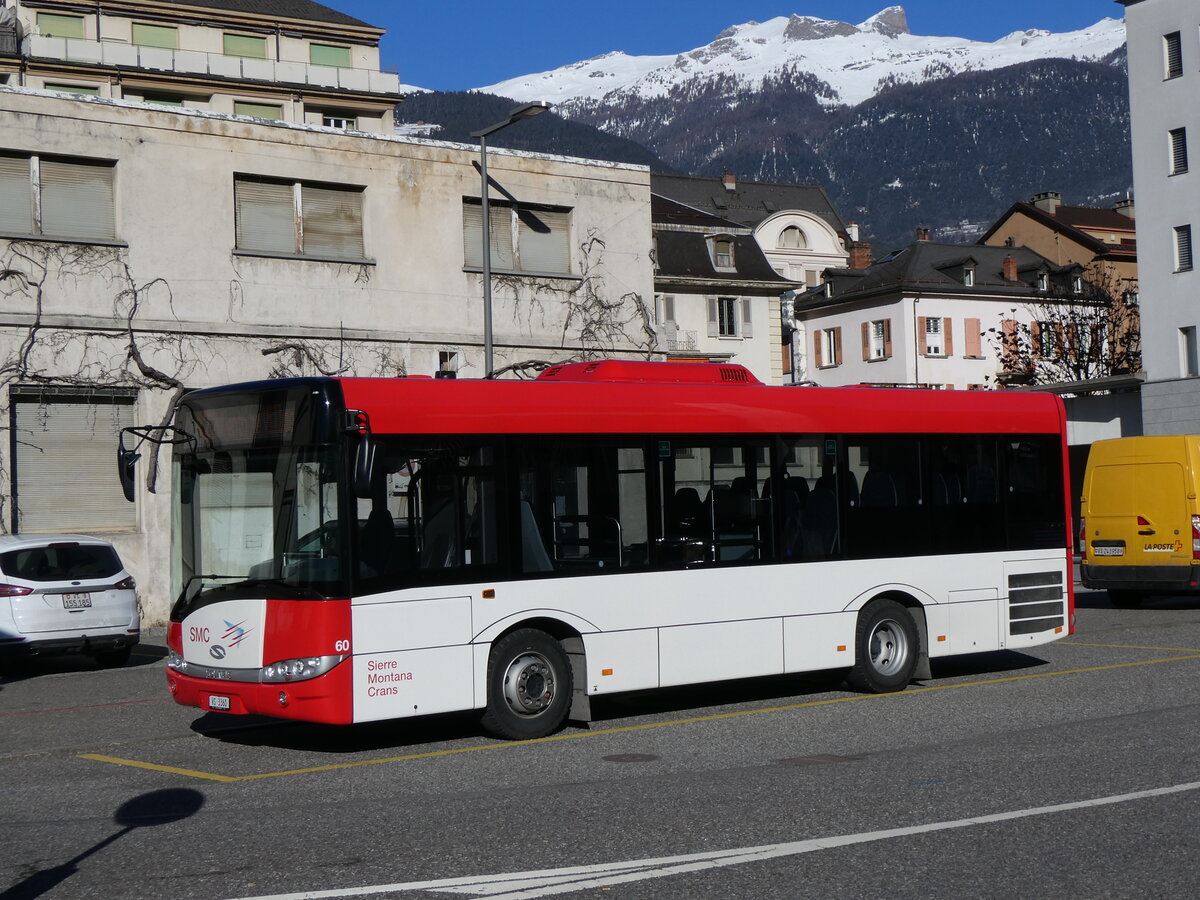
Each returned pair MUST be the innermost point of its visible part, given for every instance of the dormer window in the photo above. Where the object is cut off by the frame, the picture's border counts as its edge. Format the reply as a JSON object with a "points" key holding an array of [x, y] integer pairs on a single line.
{"points": [[1077, 284], [722, 253], [792, 238], [969, 276], [1043, 281]]}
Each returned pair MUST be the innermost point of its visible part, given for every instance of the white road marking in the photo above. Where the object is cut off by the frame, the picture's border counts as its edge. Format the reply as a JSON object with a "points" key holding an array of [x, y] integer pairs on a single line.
{"points": [[548, 882]]}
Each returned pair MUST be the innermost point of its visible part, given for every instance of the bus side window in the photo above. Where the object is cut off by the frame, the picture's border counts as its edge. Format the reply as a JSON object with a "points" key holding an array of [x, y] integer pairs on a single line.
{"points": [[809, 494]]}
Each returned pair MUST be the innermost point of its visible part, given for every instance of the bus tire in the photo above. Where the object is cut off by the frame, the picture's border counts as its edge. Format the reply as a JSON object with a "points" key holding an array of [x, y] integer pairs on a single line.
{"points": [[886, 648], [529, 686], [1126, 599]]}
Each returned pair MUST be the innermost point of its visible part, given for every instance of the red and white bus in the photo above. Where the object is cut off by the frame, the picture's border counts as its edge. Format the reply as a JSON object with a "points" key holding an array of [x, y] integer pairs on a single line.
{"points": [[353, 550]]}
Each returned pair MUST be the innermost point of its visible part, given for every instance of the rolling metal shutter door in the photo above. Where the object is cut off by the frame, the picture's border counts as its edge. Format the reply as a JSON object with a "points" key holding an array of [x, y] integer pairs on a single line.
{"points": [[77, 200], [265, 216], [332, 222], [542, 241], [66, 476]]}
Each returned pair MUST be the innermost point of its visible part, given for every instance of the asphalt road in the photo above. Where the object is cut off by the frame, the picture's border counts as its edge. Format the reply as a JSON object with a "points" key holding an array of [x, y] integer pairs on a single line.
{"points": [[1068, 771]]}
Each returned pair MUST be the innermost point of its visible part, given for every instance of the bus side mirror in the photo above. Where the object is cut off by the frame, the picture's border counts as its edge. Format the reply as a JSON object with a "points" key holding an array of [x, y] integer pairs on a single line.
{"points": [[364, 466], [126, 464]]}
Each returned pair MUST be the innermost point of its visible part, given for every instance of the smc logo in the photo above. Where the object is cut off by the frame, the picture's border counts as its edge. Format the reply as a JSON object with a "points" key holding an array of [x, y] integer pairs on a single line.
{"points": [[200, 635]]}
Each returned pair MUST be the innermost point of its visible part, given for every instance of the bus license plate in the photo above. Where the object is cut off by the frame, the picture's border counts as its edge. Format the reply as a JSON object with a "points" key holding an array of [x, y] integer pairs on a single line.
{"points": [[1108, 551], [215, 702], [76, 601]]}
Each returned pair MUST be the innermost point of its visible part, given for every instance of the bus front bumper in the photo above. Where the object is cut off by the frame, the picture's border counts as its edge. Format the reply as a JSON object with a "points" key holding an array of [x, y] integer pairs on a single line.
{"points": [[325, 699]]}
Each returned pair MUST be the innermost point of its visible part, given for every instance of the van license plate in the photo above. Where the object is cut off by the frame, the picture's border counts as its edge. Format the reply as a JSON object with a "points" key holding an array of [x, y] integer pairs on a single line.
{"points": [[76, 601], [215, 702], [1108, 551]]}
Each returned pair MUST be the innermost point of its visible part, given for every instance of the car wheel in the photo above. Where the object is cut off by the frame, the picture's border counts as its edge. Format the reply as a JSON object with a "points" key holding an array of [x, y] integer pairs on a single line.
{"points": [[529, 686], [113, 659], [886, 648]]}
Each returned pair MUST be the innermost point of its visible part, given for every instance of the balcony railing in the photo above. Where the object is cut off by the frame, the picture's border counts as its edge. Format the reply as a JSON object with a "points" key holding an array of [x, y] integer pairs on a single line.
{"points": [[191, 62], [678, 341]]}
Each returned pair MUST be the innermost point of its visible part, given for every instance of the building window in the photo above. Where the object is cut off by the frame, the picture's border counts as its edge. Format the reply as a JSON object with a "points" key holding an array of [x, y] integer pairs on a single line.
{"points": [[1077, 284], [163, 100], [83, 90], [524, 238], [52, 25], [877, 339], [345, 123], [827, 347], [1179, 154], [1173, 54], [1189, 352], [727, 316], [244, 45], [969, 277], [1043, 281], [792, 238], [1183, 248], [935, 334], [448, 361], [258, 110], [57, 199], [298, 219], [1044, 340], [326, 55], [722, 253], [61, 477], [161, 36]]}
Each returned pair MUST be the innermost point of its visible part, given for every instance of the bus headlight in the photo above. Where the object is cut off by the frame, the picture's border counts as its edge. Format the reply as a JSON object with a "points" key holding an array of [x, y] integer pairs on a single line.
{"points": [[299, 669]]}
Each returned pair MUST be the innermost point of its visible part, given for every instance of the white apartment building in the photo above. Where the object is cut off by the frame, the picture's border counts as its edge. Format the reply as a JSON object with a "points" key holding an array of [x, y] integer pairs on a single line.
{"points": [[1163, 38], [145, 250]]}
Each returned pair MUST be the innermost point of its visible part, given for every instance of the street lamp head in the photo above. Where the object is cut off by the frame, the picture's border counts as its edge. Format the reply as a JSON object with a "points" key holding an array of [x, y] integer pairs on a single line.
{"points": [[517, 114]]}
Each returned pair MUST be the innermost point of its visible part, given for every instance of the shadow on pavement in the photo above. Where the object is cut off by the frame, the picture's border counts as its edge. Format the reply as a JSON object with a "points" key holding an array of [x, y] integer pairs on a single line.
{"points": [[22, 668]]}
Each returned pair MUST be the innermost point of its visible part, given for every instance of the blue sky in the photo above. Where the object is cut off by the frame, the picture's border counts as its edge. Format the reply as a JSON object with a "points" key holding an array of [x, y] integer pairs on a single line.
{"points": [[459, 45]]}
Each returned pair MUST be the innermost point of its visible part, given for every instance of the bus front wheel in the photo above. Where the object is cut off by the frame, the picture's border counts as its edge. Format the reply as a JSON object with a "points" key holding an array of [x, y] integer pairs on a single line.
{"points": [[529, 686], [886, 648]]}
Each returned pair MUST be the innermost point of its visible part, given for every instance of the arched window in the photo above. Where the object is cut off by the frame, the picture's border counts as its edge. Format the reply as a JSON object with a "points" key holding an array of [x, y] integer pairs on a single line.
{"points": [[792, 238]]}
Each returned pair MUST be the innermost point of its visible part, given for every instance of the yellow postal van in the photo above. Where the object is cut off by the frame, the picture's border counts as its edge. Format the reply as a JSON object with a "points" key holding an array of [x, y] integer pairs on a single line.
{"points": [[1140, 517]]}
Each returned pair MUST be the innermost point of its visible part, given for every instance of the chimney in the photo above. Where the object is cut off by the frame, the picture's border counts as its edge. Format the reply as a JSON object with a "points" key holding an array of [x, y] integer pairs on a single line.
{"points": [[922, 233], [1125, 207], [730, 181], [1010, 268], [852, 231], [1048, 201], [860, 254]]}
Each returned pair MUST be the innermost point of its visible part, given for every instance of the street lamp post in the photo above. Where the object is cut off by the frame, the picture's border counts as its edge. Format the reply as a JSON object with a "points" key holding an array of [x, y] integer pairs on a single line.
{"points": [[525, 111]]}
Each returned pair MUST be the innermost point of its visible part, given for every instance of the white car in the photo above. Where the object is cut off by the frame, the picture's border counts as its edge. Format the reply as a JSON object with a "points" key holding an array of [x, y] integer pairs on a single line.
{"points": [[66, 593]]}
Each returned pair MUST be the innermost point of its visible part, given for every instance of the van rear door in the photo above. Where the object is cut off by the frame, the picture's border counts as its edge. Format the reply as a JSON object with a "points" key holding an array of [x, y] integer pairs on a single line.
{"points": [[1137, 515]]}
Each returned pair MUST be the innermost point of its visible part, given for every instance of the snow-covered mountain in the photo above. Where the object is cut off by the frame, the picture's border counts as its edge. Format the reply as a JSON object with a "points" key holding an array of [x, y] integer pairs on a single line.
{"points": [[855, 61]]}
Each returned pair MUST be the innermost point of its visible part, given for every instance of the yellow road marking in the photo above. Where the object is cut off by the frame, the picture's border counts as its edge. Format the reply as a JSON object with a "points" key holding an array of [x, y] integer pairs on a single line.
{"points": [[191, 773], [624, 729], [1133, 647]]}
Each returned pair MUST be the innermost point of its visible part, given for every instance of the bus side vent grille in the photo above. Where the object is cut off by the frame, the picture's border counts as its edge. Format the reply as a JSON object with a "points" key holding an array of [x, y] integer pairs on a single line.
{"points": [[1036, 602], [732, 373]]}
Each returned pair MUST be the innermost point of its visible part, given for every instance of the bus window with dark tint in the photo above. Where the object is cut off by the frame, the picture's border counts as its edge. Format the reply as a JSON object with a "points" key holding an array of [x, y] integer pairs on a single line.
{"points": [[582, 507], [1035, 514], [433, 514], [964, 493], [713, 507], [808, 495], [884, 514]]}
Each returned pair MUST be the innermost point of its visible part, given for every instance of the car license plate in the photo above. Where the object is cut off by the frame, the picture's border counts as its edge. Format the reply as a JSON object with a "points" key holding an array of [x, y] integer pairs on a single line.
{"points": [[1108, 551], [76, 601], [215, 702]]}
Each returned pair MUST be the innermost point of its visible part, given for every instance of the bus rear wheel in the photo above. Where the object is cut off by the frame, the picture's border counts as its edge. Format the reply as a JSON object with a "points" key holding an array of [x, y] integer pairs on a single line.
{"points": [[529, 686], [886, 648]]}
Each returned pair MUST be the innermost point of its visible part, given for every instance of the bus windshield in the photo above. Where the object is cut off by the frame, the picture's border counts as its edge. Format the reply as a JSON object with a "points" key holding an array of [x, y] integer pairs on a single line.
{"points": [[258, 520]]}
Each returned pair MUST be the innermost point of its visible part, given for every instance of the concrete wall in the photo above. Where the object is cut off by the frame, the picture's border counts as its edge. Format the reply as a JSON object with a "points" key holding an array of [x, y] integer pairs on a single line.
{"points": [[204, 314]]}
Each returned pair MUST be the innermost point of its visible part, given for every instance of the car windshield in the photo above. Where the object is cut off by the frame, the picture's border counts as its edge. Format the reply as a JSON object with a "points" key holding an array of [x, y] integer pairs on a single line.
{"points": [[65, 561], [260, 522]]}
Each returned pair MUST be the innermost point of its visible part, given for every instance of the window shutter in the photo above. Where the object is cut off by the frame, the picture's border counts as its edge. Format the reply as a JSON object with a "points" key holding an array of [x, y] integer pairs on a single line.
{"points": [[747, 325], [669, 308], [265, 216], [974, 337], [16, 196], [1035, 339], [866, 341], [77, 200], [922, 337], [837, 346], [155, 36], [713, 327], [947, 338], [887, 338], [1173, 51], [63, 472], [818, 337], [543, 241], [332, 222], [1183, 248], [500, 236], [327, 55], [1179, 154]]}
